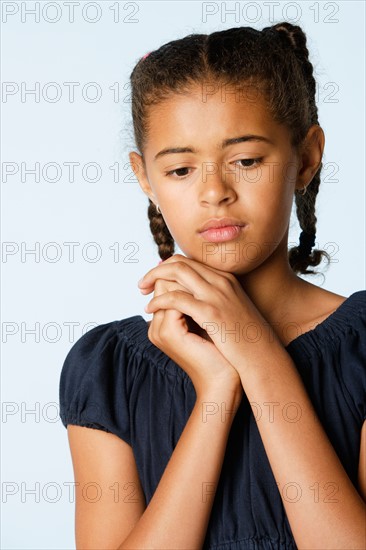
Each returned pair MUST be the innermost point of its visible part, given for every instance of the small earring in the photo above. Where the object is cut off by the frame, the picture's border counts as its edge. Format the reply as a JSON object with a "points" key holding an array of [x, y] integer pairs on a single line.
{"points": [[157, 208], [304, 189]]}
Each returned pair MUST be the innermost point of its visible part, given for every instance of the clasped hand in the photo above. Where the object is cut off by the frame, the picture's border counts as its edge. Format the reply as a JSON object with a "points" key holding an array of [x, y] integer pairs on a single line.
{"points": [[216, 301]]}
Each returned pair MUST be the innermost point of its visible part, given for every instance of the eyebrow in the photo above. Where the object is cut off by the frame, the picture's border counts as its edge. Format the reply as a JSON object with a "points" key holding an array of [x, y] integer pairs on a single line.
{"points": [[224, 143]]}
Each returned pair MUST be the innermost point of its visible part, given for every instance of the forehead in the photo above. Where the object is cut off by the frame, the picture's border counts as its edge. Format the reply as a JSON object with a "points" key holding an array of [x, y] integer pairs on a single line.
{"points": [[208, 111], [212, 99]]}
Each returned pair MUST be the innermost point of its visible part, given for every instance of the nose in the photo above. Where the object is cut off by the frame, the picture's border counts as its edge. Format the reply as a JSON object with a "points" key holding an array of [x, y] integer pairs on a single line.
{"points": [[215, 187]]}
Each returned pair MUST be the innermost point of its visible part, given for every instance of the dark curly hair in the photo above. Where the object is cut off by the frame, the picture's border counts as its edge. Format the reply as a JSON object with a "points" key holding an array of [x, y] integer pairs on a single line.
{"points": [[276, 60]]}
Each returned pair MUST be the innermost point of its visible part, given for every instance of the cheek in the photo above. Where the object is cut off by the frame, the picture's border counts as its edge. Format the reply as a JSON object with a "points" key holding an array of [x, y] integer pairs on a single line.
{"points": [[178, 203], [270, 210], [171, 226], [178, 224]]}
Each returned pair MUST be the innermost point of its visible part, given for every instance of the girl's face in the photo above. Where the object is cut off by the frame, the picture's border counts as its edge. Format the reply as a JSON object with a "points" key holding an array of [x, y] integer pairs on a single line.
{"points": [[221, 156]]}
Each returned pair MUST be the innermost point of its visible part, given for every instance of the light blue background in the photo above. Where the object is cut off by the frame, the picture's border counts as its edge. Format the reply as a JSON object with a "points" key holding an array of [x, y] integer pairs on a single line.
{"points": [[55, 294]]}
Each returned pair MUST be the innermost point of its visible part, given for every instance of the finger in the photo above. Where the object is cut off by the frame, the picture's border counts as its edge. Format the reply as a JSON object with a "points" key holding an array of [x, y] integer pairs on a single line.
{"points": [[208, 273], [160, 316], [163, 321], [199, 284], [199, 266], [181, 301], [162, 285], [172, 317]]}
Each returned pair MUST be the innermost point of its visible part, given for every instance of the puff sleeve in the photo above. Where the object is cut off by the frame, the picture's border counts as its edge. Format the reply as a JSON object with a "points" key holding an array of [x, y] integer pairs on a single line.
{"points": [[352, 355], [93, 385]]}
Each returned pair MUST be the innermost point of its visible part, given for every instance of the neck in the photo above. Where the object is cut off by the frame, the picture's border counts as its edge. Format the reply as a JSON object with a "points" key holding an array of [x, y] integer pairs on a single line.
{"points": [[273, 287]]}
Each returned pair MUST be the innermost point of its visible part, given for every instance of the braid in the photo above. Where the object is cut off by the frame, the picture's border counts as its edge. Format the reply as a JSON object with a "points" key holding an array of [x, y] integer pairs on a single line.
{"points": [[301, 256], [160, 232]]}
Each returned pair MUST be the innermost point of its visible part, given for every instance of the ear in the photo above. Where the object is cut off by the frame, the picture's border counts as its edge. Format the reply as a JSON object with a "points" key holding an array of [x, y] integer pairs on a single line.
{"points": [[138, 167], [310, 156]]}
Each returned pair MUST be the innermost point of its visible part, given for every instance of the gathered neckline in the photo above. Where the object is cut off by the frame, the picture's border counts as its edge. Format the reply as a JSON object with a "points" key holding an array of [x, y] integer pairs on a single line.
{"points": [[339, 318]]}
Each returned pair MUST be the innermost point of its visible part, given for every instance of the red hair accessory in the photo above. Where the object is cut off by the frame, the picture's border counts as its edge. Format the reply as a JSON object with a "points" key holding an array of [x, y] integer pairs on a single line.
{"points": [[146, 54]]}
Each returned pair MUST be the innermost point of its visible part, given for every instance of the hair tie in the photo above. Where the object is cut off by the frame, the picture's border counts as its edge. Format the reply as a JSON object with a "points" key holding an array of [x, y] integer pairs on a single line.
{"points": [[146, 54], [306, 242]]}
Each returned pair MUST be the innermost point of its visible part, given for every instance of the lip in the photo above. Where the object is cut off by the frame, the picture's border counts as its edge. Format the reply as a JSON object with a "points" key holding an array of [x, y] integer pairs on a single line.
{"points": [[222, 234], [217, 223]]}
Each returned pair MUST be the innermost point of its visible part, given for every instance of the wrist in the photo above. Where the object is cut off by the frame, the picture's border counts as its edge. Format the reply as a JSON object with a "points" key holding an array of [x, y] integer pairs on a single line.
{"points": [[220, 398], [259, 363]]}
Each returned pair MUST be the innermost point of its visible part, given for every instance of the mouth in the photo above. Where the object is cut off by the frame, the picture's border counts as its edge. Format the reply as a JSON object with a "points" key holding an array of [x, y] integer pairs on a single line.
{"points": [[220, 234], [221, 229]]}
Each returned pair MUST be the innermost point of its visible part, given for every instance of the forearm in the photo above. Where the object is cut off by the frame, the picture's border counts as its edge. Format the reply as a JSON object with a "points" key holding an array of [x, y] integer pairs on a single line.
{"points": [[178, 513], [322, 505]]}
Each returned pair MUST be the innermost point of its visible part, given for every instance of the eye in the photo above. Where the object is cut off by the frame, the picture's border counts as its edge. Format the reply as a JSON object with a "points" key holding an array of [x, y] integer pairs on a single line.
{"points": [[178, 171], [248, 162]]}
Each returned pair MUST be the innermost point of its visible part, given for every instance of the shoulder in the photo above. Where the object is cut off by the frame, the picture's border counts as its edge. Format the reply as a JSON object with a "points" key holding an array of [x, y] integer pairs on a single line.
{"points": [[130, 332], [335, 349], [347, 319], [98, 345], [98, 372], [350, 351], [105, 369], [344, 322]]}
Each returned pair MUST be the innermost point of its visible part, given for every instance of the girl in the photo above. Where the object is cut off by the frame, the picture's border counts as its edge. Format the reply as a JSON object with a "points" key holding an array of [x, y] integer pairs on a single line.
{"points": [[234, 419]]}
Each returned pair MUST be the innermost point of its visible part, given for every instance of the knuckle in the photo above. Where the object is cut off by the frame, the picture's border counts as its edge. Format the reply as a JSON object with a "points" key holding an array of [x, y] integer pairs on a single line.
{"points": [[151, 335], [210, 312], [181, 266], [231, 277], [172, 295], [226, 284], [154, 336], [159, 285], [164, 333]]}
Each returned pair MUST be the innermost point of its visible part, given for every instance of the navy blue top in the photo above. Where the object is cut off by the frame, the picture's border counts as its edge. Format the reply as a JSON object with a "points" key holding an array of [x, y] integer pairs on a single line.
{"points": [[114, 379]]}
